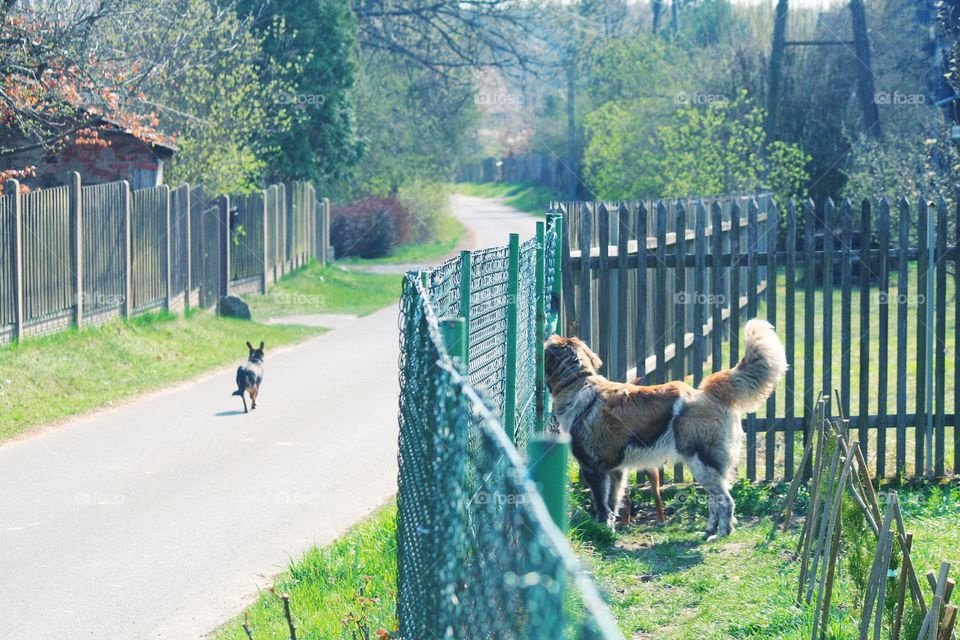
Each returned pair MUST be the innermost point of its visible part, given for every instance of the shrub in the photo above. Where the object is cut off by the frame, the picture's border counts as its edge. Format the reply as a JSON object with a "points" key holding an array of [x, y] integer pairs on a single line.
{"points": [[369, 227], [428, 203]]}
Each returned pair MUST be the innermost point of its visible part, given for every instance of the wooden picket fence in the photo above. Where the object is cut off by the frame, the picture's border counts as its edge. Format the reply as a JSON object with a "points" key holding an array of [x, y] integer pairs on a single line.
{"points": [[80, 254], [857, 310]]}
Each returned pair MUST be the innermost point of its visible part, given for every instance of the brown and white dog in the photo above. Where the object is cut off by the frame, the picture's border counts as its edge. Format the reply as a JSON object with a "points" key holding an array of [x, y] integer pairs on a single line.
{"points": [[619, 427]]}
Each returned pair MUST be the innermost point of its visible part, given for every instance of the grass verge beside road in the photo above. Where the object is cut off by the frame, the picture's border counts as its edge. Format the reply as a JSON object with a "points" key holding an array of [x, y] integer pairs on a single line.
{"points": [[333, 289], [344, 590], [48, 379], [525, 196]]}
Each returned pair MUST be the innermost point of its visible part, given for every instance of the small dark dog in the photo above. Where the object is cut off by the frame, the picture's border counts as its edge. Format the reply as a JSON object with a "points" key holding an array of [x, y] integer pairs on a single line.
{"points": [[249, 376]]}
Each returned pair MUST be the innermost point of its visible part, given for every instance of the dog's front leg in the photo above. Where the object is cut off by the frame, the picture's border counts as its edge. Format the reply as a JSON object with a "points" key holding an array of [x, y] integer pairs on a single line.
{"points": [[618, 481], [599, 483]]}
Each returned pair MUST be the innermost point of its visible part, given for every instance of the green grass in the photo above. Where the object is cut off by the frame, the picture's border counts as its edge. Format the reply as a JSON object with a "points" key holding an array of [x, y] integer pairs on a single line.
{"points": [[333, 289], [450, 232], [335, 590], [660, 581], [48, 379], [665, 582], [525, 196]]}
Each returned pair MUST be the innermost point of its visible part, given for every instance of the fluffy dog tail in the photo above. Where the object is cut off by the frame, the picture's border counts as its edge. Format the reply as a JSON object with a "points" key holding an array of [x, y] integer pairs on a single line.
{"points": [[750, 383]]}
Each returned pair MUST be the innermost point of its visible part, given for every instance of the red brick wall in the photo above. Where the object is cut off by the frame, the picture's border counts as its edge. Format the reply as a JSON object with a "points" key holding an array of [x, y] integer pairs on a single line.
{"points": [[126, 158]]}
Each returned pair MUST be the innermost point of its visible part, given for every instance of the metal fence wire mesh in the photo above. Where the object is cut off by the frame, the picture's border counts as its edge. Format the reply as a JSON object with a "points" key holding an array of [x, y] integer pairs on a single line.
{"points": [[488, 323], [479, 556], [526, 344]]}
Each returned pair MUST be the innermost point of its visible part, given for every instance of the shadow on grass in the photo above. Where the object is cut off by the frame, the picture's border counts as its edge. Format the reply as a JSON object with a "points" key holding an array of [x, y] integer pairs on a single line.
{"points": [[665, 557]]}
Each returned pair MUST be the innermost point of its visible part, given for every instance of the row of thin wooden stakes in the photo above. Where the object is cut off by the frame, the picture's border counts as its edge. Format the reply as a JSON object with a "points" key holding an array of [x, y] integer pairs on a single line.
{"points": [[291, 627], [837, 467]]}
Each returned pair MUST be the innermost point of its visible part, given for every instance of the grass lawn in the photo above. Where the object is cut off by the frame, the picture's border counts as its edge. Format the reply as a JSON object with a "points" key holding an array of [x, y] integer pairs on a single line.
{"points": [[525, 196], [660, 581], [332, 289], [48, 379], [665, 582], [343, 590], [861, 329], [450, 232]]}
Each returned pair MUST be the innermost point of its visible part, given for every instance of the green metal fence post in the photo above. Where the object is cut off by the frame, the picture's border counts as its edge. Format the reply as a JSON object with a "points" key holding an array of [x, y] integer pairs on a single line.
{"points": [[454, 331], [465, 293], [540, 328], [513, 292], [555, 221], [548, 454]]}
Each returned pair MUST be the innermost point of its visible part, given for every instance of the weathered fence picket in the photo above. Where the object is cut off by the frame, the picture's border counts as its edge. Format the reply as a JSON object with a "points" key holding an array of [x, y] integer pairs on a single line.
{"points": [[87, 253], [689, 273], [790, 337]]}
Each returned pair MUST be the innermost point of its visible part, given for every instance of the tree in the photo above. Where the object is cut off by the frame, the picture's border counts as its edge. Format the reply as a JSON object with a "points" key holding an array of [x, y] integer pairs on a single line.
{"points": [[701, 150], [310, 48], [206, 87], [412, 122], [59, 81], [445, 35]]}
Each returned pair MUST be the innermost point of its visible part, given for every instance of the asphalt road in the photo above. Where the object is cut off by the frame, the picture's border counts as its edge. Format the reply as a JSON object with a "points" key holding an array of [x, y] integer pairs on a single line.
{"points": [[161, 518]]}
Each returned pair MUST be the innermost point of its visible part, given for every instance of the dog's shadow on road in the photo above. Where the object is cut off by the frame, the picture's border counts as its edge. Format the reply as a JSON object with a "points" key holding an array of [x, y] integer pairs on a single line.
{"points": [[232, 412]]}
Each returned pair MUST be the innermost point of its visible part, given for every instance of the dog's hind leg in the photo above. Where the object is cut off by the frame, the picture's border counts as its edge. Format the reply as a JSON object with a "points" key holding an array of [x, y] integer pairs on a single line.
{"points": [[721, 503], [253, 397], [712, 517], [726, 516], [244, 398]]}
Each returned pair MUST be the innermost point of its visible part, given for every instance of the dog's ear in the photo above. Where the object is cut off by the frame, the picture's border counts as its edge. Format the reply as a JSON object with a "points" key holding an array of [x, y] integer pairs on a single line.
{"points": [[595, 360], [592, 358], [249, 346], [261, 345]]}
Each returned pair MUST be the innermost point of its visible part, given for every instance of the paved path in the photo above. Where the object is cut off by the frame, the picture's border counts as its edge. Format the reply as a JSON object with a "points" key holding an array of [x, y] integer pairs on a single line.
{"points": [[488, 222], [162, 517]]}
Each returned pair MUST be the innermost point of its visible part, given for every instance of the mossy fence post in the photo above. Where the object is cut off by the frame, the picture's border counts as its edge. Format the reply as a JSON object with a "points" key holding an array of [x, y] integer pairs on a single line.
{"points": [[76, 246], [12, 188], [513, 291]]}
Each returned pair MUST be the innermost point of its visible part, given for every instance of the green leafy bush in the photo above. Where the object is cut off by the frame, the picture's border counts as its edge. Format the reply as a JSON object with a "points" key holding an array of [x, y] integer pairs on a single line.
{"points": [[427, 203]]}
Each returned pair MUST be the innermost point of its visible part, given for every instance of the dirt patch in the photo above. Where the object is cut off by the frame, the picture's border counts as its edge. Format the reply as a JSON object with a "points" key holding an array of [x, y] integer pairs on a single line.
{"points": [[733, 547]]}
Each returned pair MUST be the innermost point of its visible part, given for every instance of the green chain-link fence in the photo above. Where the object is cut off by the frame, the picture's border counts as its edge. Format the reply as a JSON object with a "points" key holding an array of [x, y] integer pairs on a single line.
{"points": [[479, 556]]}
